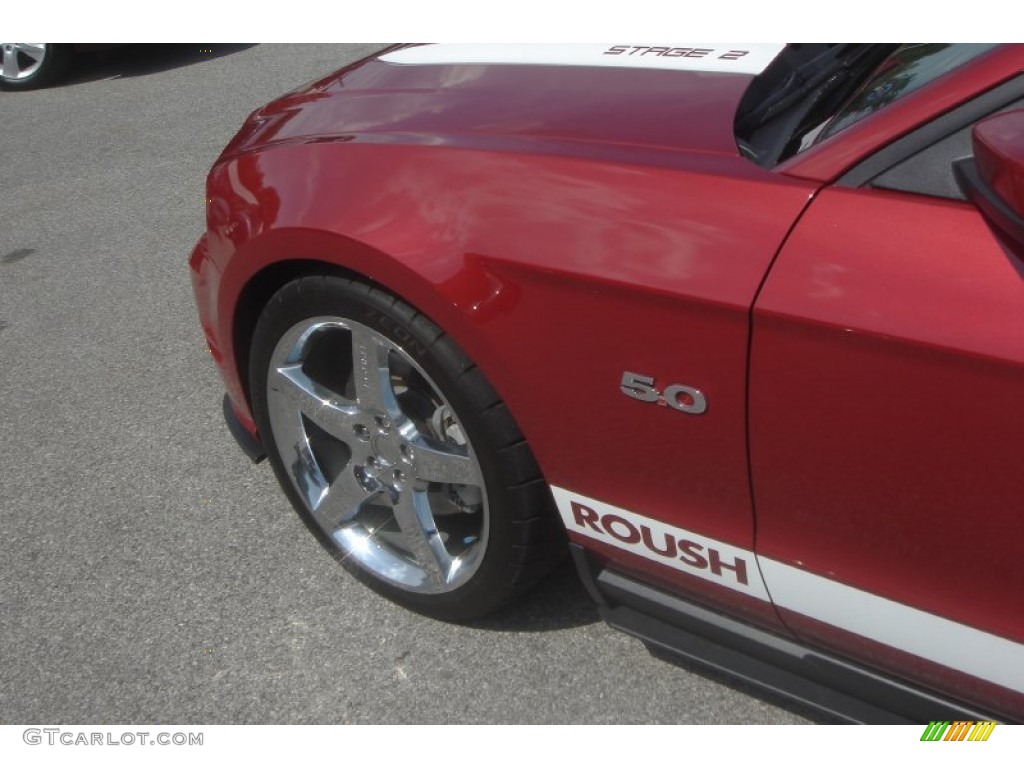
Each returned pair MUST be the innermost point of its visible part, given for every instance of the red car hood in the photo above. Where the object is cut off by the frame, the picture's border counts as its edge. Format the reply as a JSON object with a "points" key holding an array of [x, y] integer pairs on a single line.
{"points": [[666, 97]]}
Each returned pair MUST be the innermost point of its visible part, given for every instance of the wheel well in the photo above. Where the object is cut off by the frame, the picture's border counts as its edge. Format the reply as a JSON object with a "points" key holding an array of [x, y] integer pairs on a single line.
{"points": [[258, 291]]}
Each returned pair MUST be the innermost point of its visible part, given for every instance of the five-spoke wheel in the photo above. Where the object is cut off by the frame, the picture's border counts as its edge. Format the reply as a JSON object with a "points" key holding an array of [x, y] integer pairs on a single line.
{"points": [[396, 451], [377, 454]]}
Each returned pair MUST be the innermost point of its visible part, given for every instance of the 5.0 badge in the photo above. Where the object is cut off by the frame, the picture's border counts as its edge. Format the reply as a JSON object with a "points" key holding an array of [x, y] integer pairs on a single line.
{"points": [[677, 396]]}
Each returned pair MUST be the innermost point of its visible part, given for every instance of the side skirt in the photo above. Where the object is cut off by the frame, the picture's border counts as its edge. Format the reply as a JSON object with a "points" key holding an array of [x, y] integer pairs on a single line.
{"points": [[827, 684]]}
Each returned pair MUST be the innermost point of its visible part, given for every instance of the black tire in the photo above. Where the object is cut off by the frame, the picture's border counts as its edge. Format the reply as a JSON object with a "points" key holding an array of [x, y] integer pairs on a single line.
{"points": [[54, 63], [497, 531]]}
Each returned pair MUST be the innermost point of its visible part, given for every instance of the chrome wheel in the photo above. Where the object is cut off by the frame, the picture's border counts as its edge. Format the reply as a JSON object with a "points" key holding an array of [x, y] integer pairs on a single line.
{"points": [[22, 60], [396, 451], [377, 455]]}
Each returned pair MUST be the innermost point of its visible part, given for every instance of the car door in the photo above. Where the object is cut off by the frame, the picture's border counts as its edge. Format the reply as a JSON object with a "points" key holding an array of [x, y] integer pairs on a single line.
{"points": [[886, 426]]}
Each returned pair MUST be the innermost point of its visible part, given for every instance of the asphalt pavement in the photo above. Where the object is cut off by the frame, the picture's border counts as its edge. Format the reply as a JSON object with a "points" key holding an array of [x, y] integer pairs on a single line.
{"points": [[148, 572]]}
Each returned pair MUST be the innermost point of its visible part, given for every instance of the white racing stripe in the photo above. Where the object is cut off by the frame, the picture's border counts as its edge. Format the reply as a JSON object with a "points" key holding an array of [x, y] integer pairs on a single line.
{"points": [[925, 635], [739, 58]]}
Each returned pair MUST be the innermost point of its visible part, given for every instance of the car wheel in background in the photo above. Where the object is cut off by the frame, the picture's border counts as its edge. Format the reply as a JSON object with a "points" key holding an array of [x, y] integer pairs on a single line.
{"points": [[32, 65], [397, 452]]}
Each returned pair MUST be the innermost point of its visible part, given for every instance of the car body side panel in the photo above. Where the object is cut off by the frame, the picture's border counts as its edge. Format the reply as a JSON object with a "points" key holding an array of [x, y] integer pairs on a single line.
{"points": [[886, 379]]}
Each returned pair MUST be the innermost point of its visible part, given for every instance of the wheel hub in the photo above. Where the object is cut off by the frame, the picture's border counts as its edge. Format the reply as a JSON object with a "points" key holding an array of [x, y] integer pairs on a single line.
{"points": [[387, 451]]}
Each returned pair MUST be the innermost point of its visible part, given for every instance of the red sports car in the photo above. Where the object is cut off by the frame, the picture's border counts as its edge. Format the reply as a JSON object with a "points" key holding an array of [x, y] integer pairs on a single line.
{"points": [[742, 323]]}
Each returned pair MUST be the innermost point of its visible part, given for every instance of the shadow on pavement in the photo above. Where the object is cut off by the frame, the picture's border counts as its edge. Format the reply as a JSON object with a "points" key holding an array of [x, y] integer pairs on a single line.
{"points": [[559, 602], [141, 59]]}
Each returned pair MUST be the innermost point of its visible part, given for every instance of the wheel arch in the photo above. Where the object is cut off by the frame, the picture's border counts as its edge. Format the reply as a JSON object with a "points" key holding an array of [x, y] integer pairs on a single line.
{"points": [[276, 259], [254, 297]]}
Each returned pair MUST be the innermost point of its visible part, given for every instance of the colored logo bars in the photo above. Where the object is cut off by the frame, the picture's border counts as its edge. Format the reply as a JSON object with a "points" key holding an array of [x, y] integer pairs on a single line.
{"points": [[959, 730]]}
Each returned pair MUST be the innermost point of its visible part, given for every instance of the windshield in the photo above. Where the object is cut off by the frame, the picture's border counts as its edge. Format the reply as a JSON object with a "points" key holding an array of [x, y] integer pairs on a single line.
{"points": [[910, 67], [812, 92]]}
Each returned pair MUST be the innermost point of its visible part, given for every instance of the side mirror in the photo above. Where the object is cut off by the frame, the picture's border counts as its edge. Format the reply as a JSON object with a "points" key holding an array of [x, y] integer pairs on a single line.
{"points": [[994, 178]]}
